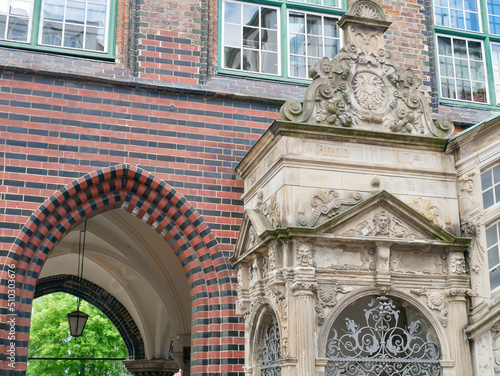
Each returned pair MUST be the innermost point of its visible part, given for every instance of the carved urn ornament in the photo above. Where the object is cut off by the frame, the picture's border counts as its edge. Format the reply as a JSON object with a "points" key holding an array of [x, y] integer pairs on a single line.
{"points": [[361, 87]]}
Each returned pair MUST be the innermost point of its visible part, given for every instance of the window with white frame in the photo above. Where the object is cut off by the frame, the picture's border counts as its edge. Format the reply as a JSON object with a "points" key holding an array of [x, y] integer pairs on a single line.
{"points": [[278, 40], [468, 50], [493, 246], [84, 27], [458, 14], [462, 70], [490, 183]]}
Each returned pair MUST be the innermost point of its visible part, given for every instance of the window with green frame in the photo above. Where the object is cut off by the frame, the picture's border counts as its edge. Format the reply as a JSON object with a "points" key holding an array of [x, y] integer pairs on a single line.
{"points": [[277, 38], [468, 50], [490, 186], [78, 27]]}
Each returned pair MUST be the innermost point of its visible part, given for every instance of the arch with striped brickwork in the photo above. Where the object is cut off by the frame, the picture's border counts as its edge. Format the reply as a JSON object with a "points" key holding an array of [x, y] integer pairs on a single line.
{"points": [[210, 275]]}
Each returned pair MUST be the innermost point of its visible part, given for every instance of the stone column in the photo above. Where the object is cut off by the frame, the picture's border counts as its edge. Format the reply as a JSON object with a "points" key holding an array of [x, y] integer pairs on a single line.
{"points": [[152, 367], [303, 293], [457, 322]]}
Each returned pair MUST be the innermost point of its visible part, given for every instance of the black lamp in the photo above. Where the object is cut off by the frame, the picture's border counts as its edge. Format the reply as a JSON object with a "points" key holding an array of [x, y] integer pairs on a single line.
{"points": [[77, 319]]}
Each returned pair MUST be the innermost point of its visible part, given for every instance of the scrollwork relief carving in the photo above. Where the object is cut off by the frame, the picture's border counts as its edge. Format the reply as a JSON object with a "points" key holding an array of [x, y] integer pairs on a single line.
{"points": [[435, 300], [279, 299], [362, 87], [382, 225], [326, 296], [458, 291], [300, 285], [271, 257], [326, 203], [271, 210], [426, 208]]}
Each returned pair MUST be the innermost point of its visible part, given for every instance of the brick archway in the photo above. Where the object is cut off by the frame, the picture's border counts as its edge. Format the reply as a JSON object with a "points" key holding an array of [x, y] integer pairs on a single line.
{"points": [[209, 273], [103, 300]]}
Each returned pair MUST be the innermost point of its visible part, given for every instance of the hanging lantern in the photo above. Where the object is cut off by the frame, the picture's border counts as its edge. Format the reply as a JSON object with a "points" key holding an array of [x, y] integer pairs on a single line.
{"points": [[77, 320]]}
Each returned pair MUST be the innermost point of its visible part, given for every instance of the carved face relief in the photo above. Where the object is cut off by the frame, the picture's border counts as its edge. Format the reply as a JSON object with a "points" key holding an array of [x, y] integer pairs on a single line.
{"points": [[326, 67], [458, 265], [381, 222], [467, 186], [369, 90], [304, 255]]}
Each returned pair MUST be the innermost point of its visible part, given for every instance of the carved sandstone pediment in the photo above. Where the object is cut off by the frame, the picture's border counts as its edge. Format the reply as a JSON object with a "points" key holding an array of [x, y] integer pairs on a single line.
{"points": [[254, 224], [384, 216], [362, 87]]}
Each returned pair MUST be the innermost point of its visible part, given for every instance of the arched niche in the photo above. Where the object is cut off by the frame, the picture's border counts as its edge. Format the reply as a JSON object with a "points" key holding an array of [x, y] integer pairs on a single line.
{"points": [[265, 347], [377, 335]]}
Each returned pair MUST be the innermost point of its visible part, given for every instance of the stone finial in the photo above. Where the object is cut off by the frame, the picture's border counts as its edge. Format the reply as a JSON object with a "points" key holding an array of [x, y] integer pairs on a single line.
{"points": [[361, 87]]}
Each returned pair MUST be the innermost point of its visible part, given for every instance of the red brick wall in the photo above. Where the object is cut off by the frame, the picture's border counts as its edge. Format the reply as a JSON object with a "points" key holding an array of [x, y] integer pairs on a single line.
{"points": [[55, 131]]}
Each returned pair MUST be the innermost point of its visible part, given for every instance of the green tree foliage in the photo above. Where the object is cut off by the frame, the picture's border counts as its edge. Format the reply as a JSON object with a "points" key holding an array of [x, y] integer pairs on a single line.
{"points": [[49, 337]]}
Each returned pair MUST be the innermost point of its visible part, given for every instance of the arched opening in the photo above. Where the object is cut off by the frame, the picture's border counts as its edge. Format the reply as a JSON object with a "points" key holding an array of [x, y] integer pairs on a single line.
{"points": [[104, 301], [127, 208], [382, 336], [52, 351], [271, 346], [265, 345]]}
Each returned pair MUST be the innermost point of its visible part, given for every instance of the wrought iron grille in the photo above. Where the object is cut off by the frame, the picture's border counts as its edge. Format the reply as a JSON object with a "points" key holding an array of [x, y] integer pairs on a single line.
{"points": [[382, 347], [271, 353]]}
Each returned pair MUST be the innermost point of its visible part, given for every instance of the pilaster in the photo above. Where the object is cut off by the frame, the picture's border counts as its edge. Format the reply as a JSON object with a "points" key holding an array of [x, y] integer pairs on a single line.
{"points": [[457, 323]]}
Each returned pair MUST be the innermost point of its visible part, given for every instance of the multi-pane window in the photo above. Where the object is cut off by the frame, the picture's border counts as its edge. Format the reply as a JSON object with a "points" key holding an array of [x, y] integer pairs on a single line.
{"points": [[494, 16], [278, 40], [330, 3], [468, 49], [311, 37], [462, 70], [490, 183], [251, 37], [15, 19], [72, 26], [458, 14], [492, 241]]}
